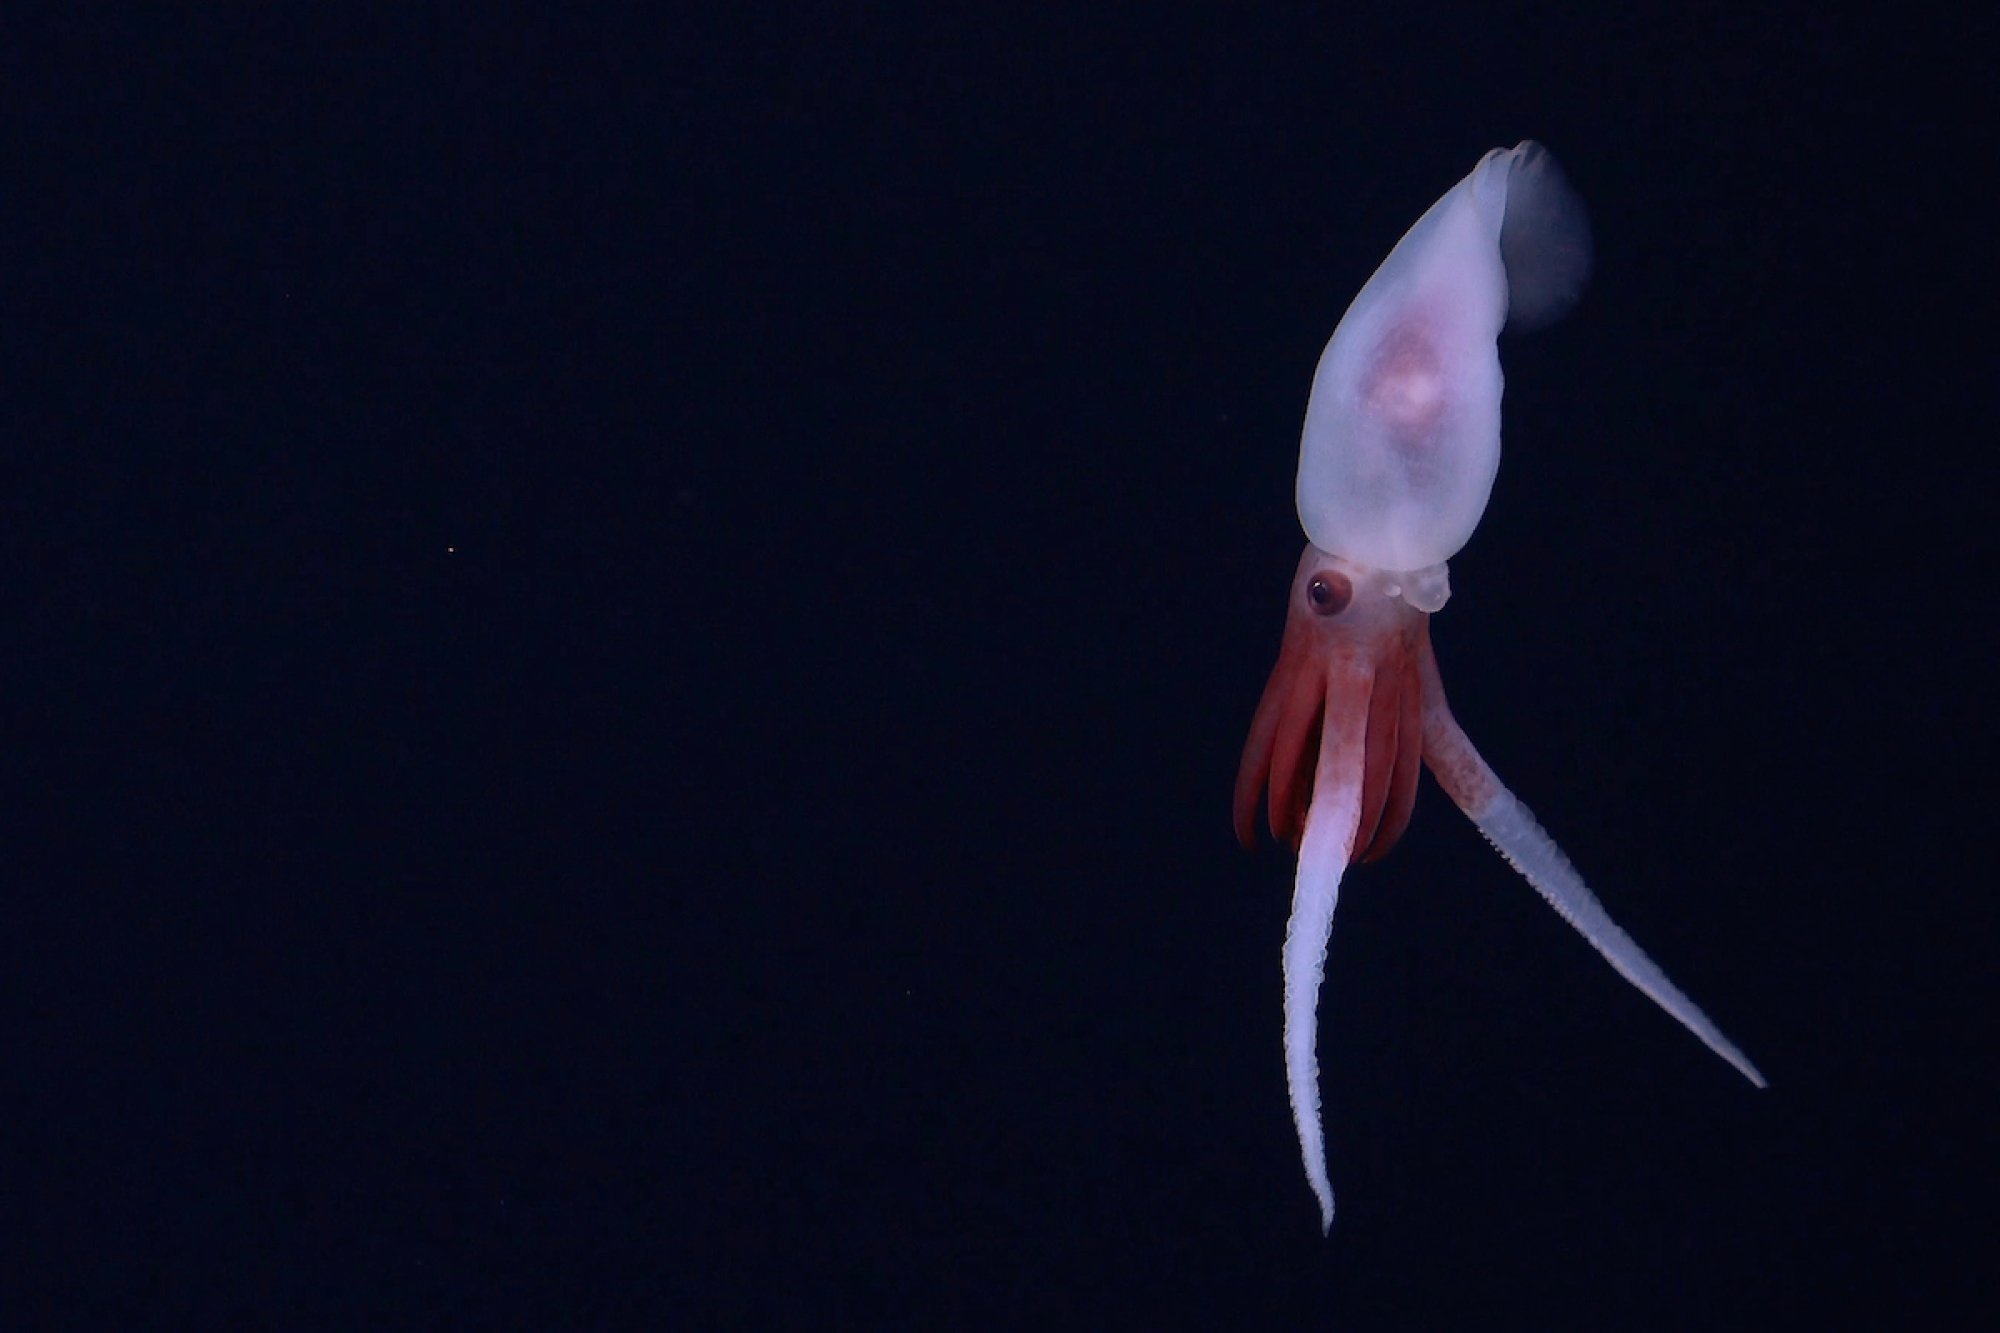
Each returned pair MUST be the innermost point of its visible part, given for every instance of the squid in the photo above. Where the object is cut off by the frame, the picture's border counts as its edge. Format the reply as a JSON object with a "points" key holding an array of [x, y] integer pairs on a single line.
{"points": [[1396, 463]]}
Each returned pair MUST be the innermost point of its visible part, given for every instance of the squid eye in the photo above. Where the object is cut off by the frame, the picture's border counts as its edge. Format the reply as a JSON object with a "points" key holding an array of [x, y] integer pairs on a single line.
{"points": [[1329, 592]]}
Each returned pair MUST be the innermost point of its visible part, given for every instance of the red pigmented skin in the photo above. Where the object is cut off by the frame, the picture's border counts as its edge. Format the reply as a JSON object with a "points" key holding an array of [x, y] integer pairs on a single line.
{"points": [[1338, 655]]}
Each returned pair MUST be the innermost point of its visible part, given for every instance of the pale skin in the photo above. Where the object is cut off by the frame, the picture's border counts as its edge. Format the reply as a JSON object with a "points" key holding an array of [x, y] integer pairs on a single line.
{"points": [[1399, 452]]}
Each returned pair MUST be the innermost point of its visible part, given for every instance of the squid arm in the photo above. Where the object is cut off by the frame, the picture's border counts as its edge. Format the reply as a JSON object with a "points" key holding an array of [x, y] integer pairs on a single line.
{"points": [[1331, 839], [1512, 830]]}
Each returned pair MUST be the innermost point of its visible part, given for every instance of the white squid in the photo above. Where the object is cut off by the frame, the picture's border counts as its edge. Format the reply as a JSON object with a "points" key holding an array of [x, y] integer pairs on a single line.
{"points": [[1401, 443]]}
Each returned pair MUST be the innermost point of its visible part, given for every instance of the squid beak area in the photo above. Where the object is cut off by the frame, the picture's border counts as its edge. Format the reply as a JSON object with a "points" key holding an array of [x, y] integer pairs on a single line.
{"points": [[1300, 701]]}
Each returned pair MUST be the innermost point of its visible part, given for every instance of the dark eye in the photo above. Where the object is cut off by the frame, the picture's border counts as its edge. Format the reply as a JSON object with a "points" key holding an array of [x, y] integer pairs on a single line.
{"points": [[1329, 592]]}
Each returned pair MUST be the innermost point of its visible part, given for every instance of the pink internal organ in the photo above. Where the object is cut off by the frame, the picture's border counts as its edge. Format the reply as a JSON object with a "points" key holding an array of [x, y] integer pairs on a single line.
{"points": [[1405, 387]]}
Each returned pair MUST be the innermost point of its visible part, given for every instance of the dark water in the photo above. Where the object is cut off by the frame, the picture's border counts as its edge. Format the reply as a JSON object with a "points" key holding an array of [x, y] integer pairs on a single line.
{"points": [[628, 638]]}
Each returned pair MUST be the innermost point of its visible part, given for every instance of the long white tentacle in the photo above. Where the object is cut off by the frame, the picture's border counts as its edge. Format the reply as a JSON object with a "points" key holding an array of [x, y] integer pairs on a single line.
{"points": [[1323, 854], [1512, 830], [1507, 824]]}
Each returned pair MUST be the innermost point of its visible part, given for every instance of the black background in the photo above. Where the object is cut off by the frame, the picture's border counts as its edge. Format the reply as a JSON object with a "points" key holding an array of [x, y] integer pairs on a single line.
{"points": [[629, 633]]}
